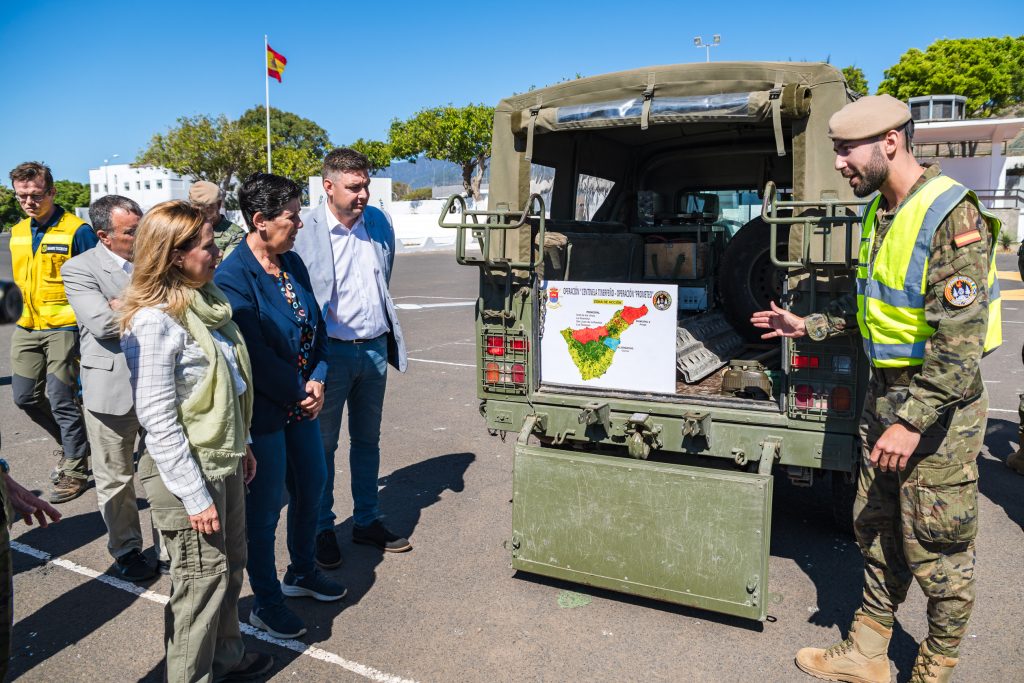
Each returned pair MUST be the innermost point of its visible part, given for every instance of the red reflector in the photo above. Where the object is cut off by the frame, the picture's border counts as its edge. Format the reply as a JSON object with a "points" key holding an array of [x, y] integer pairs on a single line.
{"points": [[518, 373], [491, 373], [519, 345], [808, 362], [495, 346], [804, 396], [842, 399]]}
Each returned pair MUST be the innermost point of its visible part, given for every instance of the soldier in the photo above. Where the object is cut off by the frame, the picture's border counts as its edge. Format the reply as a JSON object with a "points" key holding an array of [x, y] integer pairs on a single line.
{"points": [[1016, 460], [209, 198], [927, 306]]}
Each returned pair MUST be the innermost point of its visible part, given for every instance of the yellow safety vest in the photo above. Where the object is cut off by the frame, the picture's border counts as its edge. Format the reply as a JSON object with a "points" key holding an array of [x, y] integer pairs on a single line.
{"points": [[891, 289], [38, 274]]}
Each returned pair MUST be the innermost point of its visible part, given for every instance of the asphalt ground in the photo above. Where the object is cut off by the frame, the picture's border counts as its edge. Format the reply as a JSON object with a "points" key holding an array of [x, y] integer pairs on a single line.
{"points": [[453, 609]]}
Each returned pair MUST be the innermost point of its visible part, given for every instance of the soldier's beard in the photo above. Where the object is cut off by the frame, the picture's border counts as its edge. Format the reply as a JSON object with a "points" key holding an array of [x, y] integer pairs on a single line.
{"points": [[873, 175]]}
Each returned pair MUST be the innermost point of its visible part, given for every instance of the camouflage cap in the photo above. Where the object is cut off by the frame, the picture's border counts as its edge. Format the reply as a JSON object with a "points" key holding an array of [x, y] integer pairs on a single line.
{"points": [[867, 117], [204, 193]]}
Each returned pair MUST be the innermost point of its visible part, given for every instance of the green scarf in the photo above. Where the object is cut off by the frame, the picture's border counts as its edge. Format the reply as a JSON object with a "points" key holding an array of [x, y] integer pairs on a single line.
{"points": [[215, 418]]}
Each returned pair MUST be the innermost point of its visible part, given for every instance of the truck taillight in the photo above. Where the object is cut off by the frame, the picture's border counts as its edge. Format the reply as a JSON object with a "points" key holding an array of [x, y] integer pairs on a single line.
{"points": [[801, 361], [842, 365], [518, 373], [842, 399], [492, 373], [495, 346], [519, 345], [804, 396]]}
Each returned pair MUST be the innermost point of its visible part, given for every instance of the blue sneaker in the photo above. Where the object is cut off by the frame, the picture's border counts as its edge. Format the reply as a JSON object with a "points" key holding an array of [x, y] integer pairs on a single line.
{"points": [[314, 585], [278, 621]]}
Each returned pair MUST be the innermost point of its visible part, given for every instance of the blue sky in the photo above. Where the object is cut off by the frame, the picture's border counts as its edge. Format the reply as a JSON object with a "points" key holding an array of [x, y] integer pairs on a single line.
{"points": [[86, 80]]}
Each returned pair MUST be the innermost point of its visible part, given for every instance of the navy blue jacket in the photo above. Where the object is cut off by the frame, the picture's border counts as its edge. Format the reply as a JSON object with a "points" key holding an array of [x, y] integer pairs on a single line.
{"points": [[272, 334]]}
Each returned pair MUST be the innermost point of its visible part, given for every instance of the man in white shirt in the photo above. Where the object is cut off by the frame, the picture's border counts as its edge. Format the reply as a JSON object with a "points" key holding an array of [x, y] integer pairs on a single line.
{"points": [[348, 247], [93, 282]]}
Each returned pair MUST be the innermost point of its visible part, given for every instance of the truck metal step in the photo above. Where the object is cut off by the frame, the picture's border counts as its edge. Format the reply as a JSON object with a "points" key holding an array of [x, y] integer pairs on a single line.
{"points": [[705, 343]]}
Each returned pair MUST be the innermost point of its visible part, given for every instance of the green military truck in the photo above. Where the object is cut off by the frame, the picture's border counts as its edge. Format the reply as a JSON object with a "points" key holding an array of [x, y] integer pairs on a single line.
{"points": [[718, 179]]}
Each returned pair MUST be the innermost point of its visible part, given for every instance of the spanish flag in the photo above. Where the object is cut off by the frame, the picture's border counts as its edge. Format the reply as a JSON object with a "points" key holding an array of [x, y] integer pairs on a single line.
{"points": [[275, 63]]}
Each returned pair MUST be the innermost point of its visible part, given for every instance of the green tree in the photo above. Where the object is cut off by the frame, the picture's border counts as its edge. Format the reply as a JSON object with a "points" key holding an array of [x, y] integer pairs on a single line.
{"points": [[379, 153], [71, 195], [289, 130], [989, 72], [207, 148], [10, 211], [461, 135], [855, 79]]}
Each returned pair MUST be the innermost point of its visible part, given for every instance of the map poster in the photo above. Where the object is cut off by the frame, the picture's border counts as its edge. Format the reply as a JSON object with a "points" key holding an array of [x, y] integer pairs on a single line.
{"points": [[610, 335]]}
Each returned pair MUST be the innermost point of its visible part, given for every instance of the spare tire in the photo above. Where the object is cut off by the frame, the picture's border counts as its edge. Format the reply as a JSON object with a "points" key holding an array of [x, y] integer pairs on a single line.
{"points": [[10, 302], [748, 281]]}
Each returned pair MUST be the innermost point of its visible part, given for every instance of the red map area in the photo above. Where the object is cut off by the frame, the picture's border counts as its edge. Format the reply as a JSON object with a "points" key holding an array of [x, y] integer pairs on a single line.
{"points": [[629, 313], [590, 334]]}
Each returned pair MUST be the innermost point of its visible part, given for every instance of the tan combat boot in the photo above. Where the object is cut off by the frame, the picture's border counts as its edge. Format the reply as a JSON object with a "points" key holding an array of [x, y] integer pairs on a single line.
{"points": [[861, 658], [932, 668]]}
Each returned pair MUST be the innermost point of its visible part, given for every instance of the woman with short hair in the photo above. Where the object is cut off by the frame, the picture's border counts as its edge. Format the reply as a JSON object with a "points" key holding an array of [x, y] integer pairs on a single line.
{"points": [[191, 380], [273, 304]]}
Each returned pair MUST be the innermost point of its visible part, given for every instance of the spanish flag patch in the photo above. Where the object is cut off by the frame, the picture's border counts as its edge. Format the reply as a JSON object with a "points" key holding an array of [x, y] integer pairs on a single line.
{"points": [[965, 238]]}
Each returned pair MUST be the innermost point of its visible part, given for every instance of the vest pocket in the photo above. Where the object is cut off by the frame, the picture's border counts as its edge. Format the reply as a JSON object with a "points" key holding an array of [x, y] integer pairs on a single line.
{"points": [[945, 501]]}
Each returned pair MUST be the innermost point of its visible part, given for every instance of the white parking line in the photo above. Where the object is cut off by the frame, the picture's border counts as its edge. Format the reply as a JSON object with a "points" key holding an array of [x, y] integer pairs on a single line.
{"points": [[443, 362], [294, 645], [1001, 410]]}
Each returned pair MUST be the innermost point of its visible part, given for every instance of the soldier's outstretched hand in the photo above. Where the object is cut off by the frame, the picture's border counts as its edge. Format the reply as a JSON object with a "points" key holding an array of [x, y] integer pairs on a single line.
{"points": [[28, 505], [781, 322]]}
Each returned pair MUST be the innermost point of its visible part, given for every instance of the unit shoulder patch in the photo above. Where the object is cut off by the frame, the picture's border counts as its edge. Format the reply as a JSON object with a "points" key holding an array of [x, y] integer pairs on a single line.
{"points": [[961, 291]]}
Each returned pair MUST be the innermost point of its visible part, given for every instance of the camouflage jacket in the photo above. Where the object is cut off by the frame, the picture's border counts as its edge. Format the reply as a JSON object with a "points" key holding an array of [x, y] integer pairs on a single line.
{"points": [[952, 364], [227, 235]]}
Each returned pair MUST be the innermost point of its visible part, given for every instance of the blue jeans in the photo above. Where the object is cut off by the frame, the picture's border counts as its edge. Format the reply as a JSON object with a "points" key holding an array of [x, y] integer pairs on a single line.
{"points": [[356, 375], [290, 458]]}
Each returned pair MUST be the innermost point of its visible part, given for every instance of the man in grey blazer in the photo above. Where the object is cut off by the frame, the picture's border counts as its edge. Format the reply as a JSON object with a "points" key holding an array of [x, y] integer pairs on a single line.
{"points": [[94, 282], [349, 249]]}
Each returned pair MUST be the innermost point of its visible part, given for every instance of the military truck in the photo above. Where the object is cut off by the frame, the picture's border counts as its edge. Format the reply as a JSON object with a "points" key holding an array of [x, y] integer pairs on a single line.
{"points": [[719, 179]]}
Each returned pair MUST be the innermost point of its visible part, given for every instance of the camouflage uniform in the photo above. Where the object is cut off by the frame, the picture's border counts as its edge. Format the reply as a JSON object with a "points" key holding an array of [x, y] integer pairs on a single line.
{"points": [[921, 522], [227, 235], [1020, 408]]}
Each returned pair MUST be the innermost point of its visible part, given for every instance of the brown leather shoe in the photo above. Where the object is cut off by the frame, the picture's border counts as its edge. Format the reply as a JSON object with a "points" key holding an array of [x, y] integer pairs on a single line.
{"points": [[67, 488], [861, 658]]}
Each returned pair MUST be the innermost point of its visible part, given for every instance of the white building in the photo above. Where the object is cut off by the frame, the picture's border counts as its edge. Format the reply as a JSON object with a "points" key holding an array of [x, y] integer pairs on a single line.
{"points": [[147, 185], [983, 154]]}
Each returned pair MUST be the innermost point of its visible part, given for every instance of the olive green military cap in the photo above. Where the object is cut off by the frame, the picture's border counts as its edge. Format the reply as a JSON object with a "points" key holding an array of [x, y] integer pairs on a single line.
{"points": [[204, 193], [867, 117]]}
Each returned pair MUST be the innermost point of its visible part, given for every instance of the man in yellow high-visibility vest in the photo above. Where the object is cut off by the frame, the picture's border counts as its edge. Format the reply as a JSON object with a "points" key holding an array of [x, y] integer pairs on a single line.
{"points": [[44, 345], [927, 307]]}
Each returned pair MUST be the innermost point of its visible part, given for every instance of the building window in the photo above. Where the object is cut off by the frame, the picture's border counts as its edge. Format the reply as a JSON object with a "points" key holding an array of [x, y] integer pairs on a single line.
{"points": [[147, 185], [95, 187], [127, 186], [138, 185], [104, 188], [159, 184]]}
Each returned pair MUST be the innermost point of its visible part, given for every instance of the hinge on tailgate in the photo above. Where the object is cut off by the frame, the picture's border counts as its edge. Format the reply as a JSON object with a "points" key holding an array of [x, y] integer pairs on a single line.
{"points": [[645, 437], [770, 451], [597, 413]]}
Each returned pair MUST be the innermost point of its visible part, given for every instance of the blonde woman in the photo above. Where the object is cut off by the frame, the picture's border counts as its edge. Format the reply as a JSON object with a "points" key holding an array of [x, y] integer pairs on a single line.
{"points": [[191, 380]]}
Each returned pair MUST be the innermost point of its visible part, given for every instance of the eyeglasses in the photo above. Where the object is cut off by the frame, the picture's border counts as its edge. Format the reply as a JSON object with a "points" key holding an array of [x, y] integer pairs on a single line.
{"points": [[35, 198]]}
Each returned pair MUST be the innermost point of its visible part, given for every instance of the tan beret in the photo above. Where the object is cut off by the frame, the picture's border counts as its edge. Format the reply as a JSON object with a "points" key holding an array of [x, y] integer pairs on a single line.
{"points": [[204, 193], [867, 117]]}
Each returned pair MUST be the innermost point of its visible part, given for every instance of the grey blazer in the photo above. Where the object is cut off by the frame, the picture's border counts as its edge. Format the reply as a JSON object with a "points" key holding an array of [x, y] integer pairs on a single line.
{"points": [[91, 280], [313, 244]]}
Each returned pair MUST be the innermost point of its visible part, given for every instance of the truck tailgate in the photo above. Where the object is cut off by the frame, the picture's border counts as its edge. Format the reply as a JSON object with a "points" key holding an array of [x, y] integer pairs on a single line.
{"points": [[687, 535]]}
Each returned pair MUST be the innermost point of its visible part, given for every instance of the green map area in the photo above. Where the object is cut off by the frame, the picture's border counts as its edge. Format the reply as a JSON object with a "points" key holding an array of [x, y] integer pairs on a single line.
{"points": [[592, 349]]}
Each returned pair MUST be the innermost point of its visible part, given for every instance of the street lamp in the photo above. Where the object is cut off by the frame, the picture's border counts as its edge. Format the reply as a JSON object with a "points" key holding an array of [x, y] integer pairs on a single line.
{"points": [[698, 41]]}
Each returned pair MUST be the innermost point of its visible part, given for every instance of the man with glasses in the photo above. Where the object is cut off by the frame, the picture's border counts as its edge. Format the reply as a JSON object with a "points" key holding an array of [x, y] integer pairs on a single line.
{"points": [[44, 345]]}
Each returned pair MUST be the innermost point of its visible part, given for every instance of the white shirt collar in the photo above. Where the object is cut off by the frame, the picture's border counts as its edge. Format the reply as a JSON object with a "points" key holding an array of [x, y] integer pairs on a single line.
{"points": [[123, 264], [333, 223]]}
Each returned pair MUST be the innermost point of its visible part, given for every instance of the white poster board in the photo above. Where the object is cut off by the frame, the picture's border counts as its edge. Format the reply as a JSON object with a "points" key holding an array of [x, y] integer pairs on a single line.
{"points": [[610, 335]]}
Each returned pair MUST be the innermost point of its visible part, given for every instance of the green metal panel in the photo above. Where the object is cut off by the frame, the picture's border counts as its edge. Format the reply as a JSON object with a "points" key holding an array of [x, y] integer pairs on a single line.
{"points": [[686, 535]]}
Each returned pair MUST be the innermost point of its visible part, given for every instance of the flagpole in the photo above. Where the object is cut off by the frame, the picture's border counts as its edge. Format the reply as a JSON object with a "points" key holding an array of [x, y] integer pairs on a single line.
{"points": [[266, 82]]}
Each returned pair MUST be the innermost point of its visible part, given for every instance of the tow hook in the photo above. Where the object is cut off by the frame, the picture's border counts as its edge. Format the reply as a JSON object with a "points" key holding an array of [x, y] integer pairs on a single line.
{"points": [[645, 436], [596, 413]]}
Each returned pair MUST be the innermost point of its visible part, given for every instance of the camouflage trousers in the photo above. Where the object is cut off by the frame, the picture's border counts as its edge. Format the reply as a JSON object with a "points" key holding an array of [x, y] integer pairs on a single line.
{"points": [[6, 598], [921, 523]]}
